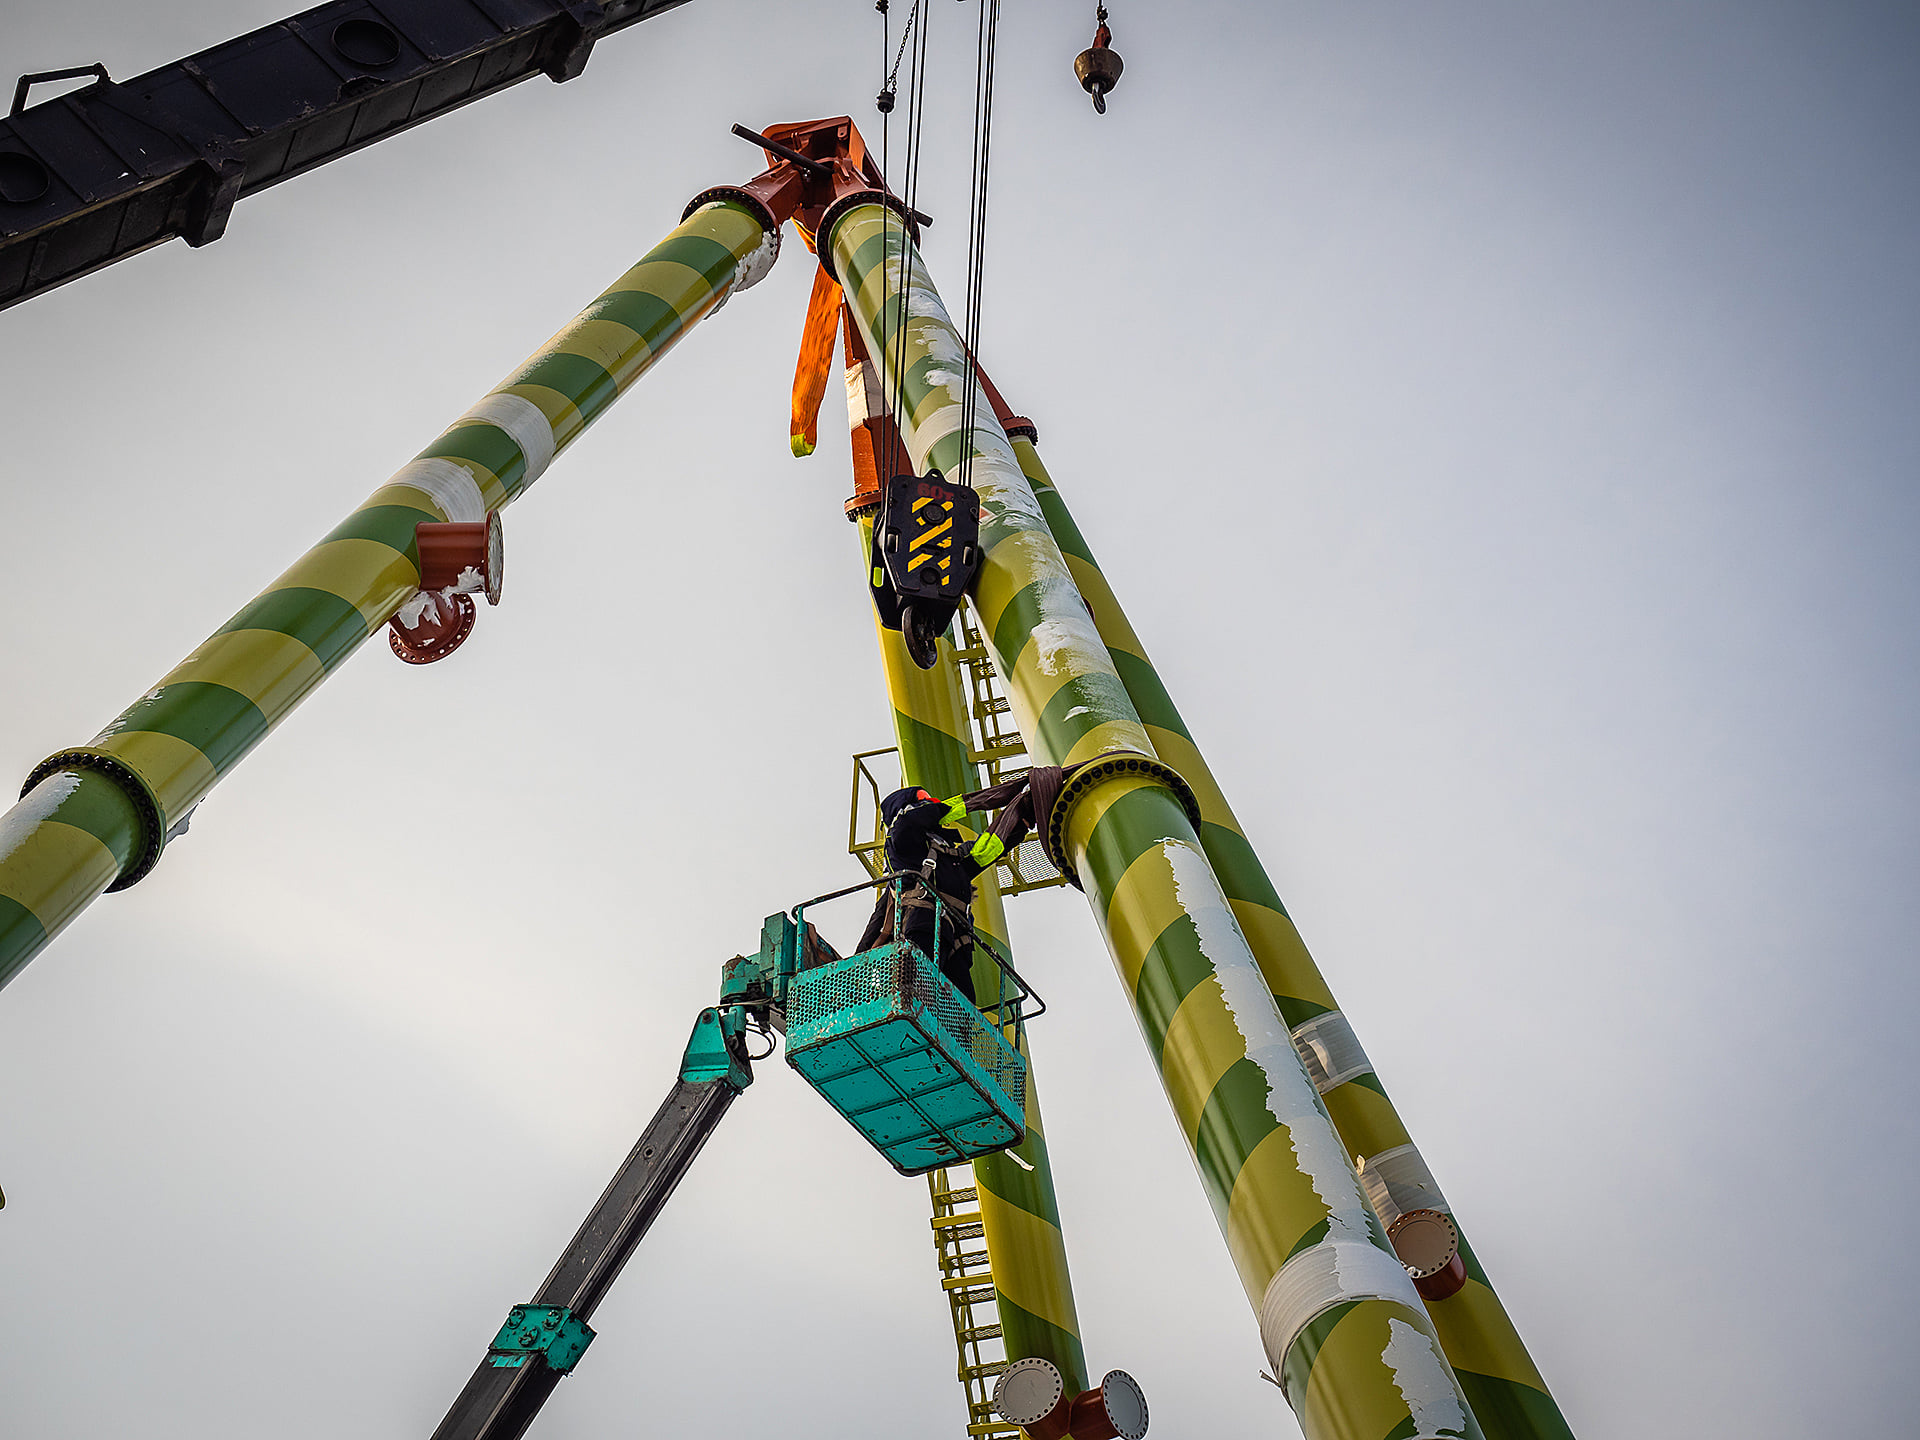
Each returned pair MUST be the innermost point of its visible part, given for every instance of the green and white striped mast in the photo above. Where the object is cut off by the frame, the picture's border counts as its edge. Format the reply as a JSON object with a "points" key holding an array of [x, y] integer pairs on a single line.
{"points": [[96, 817], [1508, 1396], [1342, 1324], [1019, 1215], [1019, 1212]]}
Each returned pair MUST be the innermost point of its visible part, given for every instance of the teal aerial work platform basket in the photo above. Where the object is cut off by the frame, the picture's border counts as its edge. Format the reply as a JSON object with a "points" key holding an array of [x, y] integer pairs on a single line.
{"points": [[890, 1043]]}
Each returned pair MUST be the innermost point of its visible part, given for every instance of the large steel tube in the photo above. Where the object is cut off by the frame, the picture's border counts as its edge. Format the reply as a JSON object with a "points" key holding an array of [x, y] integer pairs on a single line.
{"points": [[1019, 1215], [1509, 1397], [1340, 1320], [96, 817]]}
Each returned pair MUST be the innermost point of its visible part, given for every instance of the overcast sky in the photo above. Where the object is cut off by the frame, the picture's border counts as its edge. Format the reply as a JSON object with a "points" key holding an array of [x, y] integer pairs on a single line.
{"points": [[1500, 423]]}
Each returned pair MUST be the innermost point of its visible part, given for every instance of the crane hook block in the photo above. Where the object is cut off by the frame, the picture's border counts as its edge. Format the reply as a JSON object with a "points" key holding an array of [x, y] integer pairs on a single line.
{"points": [[926, 552], [1098, 67]]}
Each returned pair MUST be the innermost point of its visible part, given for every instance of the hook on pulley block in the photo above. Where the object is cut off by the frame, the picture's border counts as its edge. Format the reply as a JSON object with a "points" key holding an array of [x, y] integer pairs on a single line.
{"points": [[1098, 67], [926, 552]]}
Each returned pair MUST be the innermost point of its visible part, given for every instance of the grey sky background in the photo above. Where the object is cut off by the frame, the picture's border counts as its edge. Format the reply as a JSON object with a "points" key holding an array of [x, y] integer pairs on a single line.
{"points": [[1500, 423]]}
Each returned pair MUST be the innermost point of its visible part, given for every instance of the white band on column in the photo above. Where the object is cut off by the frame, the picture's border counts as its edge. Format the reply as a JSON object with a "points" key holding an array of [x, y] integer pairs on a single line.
{"points": [[524, 423], [1321, 1277], [1330, 1051], [448, 485]]}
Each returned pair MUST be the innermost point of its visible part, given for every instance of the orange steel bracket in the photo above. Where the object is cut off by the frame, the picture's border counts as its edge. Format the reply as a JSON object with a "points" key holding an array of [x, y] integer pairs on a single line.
{"points": [[824, 160], [839, 173], [816, 168]]}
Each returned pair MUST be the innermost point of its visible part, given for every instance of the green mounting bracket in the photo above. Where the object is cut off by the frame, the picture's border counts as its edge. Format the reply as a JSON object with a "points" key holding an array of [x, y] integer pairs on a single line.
{"points": [[713, 1050], [744, 980], [553, 1333], [780, 945]]}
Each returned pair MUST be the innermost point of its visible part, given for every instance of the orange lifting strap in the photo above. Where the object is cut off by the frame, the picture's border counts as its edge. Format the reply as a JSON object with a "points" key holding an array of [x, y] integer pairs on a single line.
{"points": [[816, 361]]}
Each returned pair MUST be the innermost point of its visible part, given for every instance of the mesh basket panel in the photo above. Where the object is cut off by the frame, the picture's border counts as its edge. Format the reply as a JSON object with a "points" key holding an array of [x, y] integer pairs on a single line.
{"points": [[890, 1043]]}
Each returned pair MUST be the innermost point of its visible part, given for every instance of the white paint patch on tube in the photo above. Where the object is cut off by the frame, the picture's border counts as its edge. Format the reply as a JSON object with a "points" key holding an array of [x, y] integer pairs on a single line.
{"points": [[759, 260], [1291, 1099], [1424, 1382], [1347, 1264], [1070, 643]]}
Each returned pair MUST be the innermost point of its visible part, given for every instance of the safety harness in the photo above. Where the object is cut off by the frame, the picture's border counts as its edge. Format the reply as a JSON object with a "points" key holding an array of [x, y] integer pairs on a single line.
{"points": [[1022, 804]]}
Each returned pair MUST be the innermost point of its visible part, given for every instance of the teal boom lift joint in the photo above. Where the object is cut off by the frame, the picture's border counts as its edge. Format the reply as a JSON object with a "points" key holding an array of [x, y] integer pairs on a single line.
{"points": [[714, 1049], [553, 1333]]}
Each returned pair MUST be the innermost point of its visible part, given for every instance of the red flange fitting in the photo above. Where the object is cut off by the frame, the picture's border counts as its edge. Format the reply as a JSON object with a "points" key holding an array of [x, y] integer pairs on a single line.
{"points": [[457, 560], [466, 558], [440, 623], [1428, 1244], [1032, 1394]]}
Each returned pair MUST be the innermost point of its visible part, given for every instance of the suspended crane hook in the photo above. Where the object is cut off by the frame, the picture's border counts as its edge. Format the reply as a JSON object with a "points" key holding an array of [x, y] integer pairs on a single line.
{"points": [[1099, 67]]}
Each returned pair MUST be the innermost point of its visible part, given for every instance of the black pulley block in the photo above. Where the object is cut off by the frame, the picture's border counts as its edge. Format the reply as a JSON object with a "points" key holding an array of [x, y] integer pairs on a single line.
{"points": [[926, 551]]}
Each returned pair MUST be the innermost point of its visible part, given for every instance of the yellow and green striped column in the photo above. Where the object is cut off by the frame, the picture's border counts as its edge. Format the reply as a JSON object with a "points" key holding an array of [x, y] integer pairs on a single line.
{"points": [[95, 817], [1508, 1396], [1019, 1215], [1345, 1331]]}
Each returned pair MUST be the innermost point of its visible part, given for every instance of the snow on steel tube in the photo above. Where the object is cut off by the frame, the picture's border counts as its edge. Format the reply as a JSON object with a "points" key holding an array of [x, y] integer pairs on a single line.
{"points": [[95, 817], [1344, 1328]]}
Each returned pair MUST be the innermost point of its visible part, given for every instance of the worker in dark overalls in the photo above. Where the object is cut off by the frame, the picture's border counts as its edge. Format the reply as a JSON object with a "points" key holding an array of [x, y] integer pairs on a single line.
{"points": [[942, 865]]}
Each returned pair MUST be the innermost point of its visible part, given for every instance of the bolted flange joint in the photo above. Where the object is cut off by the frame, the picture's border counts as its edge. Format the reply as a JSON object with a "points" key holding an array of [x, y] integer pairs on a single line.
{"points": [[1087, 777], [457, 560], [1031, 1393], [153, 824]]}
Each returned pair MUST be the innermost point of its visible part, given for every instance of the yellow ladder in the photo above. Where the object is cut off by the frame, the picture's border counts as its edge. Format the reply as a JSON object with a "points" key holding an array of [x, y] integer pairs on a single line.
{"points": [[1001, 750], [967, 1278], [998, 748]]}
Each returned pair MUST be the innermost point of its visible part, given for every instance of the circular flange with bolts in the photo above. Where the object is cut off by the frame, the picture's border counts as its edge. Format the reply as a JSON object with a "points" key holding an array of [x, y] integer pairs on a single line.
{"points": [[153, 825], [496, 557], [1028, 1391], [1106, 767], [831, 218], [1117, 1409], [1428, 1244], [439, 634], [745, 199]]}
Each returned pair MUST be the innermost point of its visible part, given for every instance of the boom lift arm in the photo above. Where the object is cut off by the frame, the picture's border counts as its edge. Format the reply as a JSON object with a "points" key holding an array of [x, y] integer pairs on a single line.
{"points": [[543, 1339], [881, 1035]]}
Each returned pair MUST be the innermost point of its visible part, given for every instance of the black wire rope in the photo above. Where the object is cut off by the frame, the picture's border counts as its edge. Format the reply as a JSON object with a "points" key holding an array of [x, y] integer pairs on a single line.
{"points": [[913, 39], [910, 191], [986, 53]]}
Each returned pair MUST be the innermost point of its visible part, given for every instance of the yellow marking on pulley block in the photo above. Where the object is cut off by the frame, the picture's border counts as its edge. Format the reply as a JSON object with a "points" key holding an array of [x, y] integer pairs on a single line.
{"points": [[926, 535]]}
